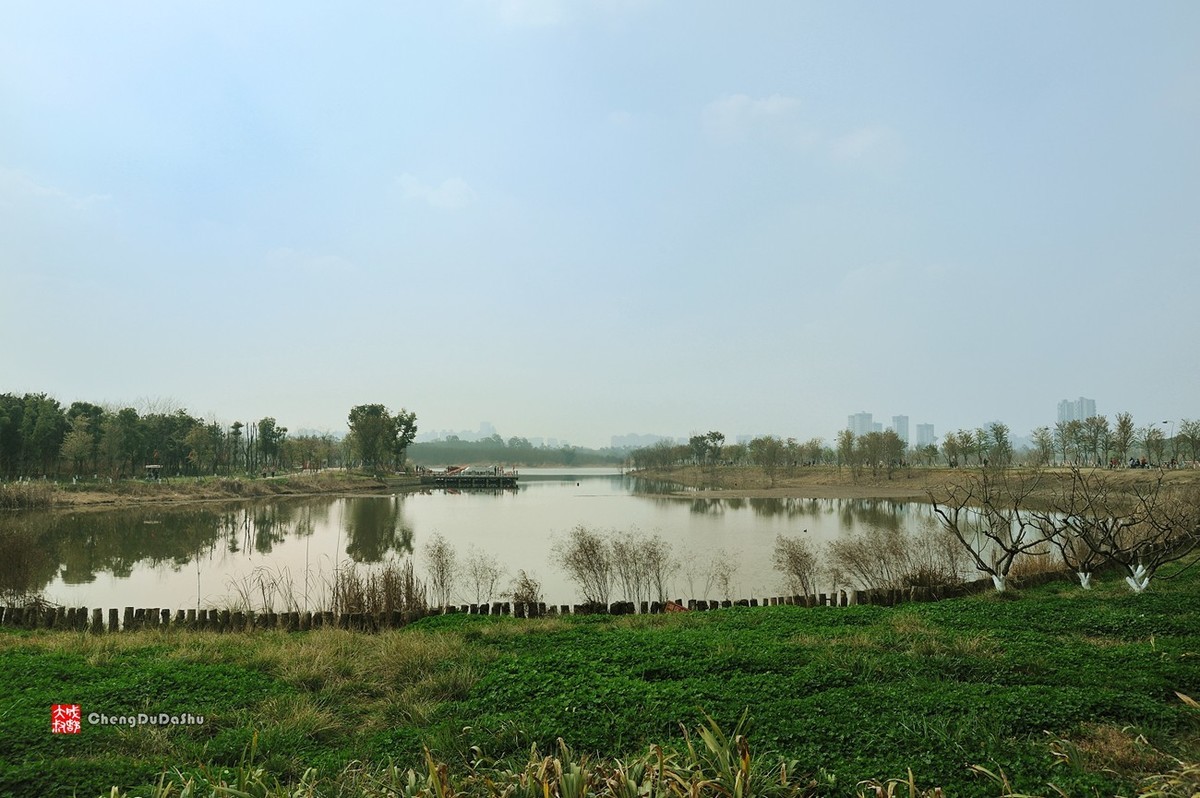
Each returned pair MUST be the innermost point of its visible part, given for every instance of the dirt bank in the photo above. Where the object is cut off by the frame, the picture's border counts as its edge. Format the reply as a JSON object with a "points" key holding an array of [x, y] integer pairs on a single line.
{"points": [[191, 489]]}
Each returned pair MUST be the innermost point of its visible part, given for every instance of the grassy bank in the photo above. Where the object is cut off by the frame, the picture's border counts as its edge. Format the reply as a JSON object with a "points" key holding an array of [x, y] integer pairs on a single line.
{"points": [[1056, 686], [185, 489]]}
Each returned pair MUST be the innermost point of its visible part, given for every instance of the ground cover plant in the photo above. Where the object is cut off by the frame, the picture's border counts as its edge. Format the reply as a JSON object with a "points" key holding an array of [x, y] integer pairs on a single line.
{"points": [[1047, 689]]}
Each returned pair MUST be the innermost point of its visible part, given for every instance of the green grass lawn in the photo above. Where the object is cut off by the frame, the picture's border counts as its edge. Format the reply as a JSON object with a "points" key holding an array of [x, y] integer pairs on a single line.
{"points": [[1053, 686]]}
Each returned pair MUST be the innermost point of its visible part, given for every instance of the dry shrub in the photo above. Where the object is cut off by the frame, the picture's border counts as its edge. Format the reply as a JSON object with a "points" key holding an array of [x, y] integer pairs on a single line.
{"points": [[889, 558], [392, 588]]}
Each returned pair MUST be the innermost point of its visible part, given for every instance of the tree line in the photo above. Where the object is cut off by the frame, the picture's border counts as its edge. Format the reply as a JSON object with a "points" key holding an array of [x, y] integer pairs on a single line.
{"points": [[41, 438], [515, 451], [1092, 441]]}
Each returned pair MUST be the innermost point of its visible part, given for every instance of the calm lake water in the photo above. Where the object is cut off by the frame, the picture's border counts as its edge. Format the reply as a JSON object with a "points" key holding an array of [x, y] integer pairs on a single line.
{"points": [[214, 554]]}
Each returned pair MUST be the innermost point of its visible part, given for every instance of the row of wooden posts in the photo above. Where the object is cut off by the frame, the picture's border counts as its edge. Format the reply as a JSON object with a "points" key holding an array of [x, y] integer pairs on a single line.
{"points": [[98, 621]]}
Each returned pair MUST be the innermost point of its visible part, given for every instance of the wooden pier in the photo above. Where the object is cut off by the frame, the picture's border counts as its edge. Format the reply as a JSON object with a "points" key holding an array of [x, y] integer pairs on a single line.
{"points": [[464, 477]]}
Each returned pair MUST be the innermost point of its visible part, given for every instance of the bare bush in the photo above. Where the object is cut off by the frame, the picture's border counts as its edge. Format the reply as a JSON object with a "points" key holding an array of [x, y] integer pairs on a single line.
{"points": [[483, 574], [722, 568], [889, 558], [660, 563], [442, 565], [629, 569], [525, 589], [796, 560], [587, 559]]}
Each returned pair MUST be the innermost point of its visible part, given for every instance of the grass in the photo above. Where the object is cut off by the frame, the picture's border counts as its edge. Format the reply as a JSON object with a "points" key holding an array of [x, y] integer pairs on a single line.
{"points": [[1057, 689]]}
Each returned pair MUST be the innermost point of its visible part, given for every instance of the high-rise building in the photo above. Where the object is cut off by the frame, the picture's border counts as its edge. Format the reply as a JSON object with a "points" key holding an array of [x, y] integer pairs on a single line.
{"points": [[900, 427], [1077, 410], [925, 436], [860, 423]]}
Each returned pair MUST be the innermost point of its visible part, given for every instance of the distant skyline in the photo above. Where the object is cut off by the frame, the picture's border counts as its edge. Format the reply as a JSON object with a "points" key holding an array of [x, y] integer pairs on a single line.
{"points": [[594, 218]]}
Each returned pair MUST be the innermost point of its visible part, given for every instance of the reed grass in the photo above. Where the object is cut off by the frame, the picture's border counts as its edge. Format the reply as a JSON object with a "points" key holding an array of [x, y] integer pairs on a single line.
{"points": [[25, 495]]}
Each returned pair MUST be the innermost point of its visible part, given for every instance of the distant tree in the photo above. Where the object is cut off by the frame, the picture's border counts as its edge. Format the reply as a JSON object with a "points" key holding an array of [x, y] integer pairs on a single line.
{"points": [[373, 431], [121, 441], [1124, 436], [77, 445], [1189, 433], [1043, 446], [95, 419], [845, 448], [952, 449], [1153, 443], [405, 426], [768, 453], [999, 445], [1098, 437], [270, 441], [716, 441]]}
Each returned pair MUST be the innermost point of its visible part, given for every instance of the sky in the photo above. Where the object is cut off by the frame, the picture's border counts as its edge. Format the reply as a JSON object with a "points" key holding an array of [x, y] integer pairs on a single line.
{"points": [[598, 217]]}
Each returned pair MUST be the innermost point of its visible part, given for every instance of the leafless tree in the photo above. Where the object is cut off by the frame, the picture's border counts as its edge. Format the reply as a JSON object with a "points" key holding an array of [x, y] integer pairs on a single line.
{"points": [[660, 564], [483, 573], [443, 569], [1139, 531], [629, 567], [721, 569], [988, 512]]}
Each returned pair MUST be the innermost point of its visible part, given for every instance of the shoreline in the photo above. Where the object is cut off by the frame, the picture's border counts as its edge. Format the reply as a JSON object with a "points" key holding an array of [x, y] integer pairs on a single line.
{"points": [[829, 482], [188, 490]]}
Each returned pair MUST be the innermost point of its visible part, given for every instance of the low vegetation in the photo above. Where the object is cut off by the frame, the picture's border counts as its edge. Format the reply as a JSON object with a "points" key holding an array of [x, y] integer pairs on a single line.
{"points": [[1046, 691]]}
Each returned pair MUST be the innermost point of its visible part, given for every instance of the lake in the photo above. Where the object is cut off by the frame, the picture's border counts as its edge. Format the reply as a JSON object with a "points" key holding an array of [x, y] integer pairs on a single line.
{"points": [[284, 552]]}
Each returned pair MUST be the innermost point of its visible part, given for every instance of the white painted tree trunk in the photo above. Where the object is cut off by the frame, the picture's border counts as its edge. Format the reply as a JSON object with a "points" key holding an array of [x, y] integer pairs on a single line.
{"points": [[1085, 580], [1140, 579], [999, 582]]}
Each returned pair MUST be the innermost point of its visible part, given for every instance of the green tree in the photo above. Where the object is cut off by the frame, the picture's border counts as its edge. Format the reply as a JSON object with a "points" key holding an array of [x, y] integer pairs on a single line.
{"points": [[768, 453], [270, 441], [77, 445], [373, 433], [1043, 446], [120, 441], [405, 430], [1000, 450], [1124, 436]]}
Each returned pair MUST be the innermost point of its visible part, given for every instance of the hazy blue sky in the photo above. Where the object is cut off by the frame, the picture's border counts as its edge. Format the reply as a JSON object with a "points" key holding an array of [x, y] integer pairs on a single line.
{"points": [[576, 219]]}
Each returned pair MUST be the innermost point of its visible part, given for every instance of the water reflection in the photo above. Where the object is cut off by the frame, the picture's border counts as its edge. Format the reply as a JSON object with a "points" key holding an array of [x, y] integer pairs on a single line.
{"points": [[75, 548], [375, 528], [190, 554]]}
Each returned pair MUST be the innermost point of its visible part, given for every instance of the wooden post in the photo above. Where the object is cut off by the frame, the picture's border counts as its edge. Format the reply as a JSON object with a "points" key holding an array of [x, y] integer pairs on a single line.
{"points": [[97, 621], [306, 621], [191, 619]]}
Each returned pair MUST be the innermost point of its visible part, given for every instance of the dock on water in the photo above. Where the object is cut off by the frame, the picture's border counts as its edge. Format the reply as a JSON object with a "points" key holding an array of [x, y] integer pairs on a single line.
{"points": [[471, 477]]}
